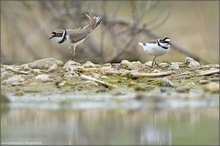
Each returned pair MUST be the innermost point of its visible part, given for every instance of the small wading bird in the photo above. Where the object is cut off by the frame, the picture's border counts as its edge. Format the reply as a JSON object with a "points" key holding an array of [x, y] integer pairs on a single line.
{"points": [[157, 48], [75, 36]]}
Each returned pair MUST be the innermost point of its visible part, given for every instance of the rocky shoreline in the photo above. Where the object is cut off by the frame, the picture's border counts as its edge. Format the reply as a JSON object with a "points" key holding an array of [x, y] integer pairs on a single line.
{"points": [[48, 75]]}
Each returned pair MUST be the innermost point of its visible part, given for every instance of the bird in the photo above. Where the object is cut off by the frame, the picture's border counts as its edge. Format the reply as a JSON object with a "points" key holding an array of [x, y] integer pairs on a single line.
{"points": [[156, 48], [75, 36]]}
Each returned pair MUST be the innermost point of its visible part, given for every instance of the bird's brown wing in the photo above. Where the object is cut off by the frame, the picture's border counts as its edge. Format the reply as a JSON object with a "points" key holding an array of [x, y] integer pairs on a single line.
{"points": [[77, 35]]}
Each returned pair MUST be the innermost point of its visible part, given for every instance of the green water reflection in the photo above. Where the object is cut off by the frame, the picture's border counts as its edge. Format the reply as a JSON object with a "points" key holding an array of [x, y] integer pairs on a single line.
{"points": [[119, 126]]}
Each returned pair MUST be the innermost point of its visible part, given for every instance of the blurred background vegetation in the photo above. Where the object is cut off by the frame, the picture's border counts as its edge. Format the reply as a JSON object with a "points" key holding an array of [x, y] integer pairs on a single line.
{"points": [[193, 27]]}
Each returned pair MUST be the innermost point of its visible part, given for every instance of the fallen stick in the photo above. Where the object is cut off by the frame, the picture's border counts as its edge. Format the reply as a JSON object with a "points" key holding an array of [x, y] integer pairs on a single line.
{"points": [[106, 84], [208, 72], [136, 74]]}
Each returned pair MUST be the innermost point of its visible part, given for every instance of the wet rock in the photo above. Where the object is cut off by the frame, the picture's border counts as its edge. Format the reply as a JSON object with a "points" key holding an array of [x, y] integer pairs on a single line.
{"points": [[89, 64], [191, 62], [71, 65], [14, 80], [183, 89], [165, 82], [212, 87], [44, 78], [136, 65], [143, 87], [47, 63]]}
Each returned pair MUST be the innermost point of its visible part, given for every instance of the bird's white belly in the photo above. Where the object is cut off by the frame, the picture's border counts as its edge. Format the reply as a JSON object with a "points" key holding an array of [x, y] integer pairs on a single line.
{"points": [[155, 50]]}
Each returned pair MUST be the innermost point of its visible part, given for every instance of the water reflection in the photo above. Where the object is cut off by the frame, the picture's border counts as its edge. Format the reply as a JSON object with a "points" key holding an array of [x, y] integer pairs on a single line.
{"points": [[117, 126]]}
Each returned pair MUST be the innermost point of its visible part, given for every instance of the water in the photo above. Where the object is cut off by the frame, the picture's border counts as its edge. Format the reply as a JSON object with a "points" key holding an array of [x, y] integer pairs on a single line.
{"points": [[65, 125]]}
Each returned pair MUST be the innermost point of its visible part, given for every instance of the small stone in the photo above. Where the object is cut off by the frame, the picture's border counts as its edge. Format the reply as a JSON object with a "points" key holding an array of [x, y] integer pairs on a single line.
{"points": [[166, 82], [163, 64], [126, 73], [131, 83], [14, 80], [191, 62], [89, 64], [174, 67], [44, 78], [61, 84], [71, 65], [136, 65], [71, 74], [203, 82], [182, 89], [45, 63], [212, 87], [36, 71], [53, 68], [149, 63], [143, 87]]}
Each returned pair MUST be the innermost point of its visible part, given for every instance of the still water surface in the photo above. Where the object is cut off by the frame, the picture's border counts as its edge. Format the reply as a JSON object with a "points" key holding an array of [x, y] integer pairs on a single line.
{"points": [[153, 126]]}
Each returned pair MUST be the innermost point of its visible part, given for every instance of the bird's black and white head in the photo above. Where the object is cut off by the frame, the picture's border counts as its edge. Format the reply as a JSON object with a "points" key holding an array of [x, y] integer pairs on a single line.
{"points": [[165, 40], [58, 35]]}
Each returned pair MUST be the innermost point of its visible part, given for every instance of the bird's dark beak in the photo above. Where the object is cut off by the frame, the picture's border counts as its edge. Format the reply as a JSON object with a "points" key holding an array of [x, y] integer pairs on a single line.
{"points": [[51, 37]]}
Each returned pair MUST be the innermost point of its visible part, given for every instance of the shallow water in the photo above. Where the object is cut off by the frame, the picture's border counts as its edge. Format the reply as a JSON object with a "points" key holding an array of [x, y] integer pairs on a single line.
{"points": [[132, 122]]}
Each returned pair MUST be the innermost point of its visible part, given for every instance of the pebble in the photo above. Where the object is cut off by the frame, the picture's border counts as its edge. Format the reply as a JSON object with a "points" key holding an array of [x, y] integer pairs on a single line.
{"points": [[71, 65], [14, 80], [89, 64], [191, 62], [149, 63], [143, 87], [212, 87], [174, 67], [46, 63], [182, 89], [135, 65], [71, 74], [163, 64], [44, 78], [61, 84]]}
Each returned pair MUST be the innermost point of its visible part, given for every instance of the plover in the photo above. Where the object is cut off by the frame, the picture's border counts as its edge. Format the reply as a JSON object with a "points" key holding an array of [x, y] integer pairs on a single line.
{"points": [[76, 36], [157, 48]]}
